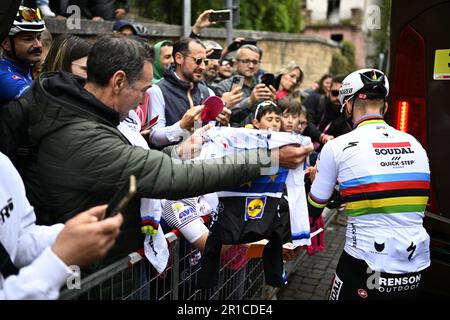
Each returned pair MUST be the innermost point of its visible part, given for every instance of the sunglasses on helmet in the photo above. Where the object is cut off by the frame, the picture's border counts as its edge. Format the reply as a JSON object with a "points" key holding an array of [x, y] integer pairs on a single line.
{"points": [[28, 14]]}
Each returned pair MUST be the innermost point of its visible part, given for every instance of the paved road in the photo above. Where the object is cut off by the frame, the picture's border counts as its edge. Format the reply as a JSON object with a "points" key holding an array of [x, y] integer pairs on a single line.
{"points": [[311, 279]]}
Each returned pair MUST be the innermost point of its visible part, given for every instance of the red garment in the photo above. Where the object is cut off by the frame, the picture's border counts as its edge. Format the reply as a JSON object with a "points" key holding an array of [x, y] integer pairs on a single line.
{"points": [[141, 109], [318, 242], [281, 94], [237, 255]]}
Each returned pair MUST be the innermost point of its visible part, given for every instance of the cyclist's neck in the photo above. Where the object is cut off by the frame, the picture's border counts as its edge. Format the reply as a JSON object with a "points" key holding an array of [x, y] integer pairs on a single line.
{"points": [[21, 64]]}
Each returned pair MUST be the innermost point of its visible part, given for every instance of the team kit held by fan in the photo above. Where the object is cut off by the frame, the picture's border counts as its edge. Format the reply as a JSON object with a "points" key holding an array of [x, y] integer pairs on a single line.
{"points": [[218, 149]]}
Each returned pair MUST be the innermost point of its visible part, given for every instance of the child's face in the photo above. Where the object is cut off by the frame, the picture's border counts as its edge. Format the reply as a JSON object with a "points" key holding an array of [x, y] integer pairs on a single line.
{"points": [[271, 121], [289, 121], [302, 123]]}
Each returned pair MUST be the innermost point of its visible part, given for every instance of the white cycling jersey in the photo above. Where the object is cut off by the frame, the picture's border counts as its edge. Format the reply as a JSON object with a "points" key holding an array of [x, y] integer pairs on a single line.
{"points": [[384, 178]]}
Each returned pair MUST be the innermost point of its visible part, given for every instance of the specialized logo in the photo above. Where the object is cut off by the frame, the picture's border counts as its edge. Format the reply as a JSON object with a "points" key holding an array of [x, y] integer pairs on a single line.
{"points": [[5, 212], [412, 248], [392, 148], [379, 246], [15, 77], [350, 144], [254, 208], [336, 288]]}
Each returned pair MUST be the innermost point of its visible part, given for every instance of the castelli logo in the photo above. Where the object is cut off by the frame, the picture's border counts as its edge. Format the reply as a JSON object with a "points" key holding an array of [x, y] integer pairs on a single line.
{"points": [[362, 293]]}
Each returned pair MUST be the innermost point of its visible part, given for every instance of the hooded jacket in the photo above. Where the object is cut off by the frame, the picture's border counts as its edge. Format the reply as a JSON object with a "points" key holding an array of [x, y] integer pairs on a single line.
{"points": [[83, 159], [158, 68]]}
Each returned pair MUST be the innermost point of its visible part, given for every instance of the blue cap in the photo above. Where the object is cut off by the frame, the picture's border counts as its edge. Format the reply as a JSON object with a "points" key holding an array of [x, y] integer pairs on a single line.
{"points": [[124, 23]]}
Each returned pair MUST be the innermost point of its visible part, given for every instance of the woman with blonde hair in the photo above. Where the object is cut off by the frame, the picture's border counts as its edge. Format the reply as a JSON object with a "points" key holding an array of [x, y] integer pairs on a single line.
{"points": [[288, 80]]}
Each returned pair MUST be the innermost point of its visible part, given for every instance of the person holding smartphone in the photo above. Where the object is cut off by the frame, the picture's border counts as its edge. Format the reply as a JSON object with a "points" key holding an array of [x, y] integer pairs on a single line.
{"points": [[36, 260], [289, 79], [84, 158], [248, 60], [214, 52]]}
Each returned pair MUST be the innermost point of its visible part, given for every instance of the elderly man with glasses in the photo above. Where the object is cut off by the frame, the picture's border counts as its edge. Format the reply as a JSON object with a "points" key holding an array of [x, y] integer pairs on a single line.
{"points": [[248, 60]]}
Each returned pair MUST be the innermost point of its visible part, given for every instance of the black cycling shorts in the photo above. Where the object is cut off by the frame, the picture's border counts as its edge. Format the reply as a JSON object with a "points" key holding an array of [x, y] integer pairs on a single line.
{"points": [[354, 280]]}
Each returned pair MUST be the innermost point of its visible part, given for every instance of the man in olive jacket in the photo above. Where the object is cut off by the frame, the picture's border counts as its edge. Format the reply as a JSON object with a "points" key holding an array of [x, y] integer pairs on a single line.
{"points": [[83, 159]]}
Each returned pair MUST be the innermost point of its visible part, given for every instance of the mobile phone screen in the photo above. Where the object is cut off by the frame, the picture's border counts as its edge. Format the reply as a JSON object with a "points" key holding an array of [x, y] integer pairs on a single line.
{"points": [[121, 197], [268, 79], [221, 15], [216, 54], [249, 41], [150, 124]]}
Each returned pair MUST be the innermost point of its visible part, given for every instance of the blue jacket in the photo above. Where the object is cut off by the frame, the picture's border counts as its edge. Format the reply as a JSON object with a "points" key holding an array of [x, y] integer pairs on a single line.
{"points": [[14, 81]]}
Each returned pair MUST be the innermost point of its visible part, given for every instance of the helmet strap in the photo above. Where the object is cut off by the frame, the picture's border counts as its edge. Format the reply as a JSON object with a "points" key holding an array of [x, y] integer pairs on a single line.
{"points": [[12, 52], [349, 116]]}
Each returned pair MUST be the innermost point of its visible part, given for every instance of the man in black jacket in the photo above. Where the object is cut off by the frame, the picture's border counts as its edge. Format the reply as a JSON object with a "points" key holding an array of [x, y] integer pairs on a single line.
{"points": [[325, 120]]}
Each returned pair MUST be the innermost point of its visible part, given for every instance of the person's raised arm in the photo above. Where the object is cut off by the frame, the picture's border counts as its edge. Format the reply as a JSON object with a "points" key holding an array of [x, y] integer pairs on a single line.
{"points": [[201, 23]]}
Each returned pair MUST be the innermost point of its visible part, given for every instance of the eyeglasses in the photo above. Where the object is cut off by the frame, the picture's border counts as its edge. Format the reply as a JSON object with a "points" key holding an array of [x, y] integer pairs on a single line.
{"points": [[28, 14], [198, 61], [248, 61], [304, 124], [335, 93], [226, 63]]}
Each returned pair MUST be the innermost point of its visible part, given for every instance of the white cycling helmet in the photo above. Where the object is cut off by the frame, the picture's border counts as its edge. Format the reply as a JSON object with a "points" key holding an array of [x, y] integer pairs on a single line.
{"points": [[367, 83], [27, 19]]}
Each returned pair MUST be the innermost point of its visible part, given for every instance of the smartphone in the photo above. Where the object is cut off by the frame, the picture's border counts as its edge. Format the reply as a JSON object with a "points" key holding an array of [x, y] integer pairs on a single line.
{"points": [[249, 41], [216, 54], [121, 198], [150, 124], [238, 81], [268, 79], [220, 15]]}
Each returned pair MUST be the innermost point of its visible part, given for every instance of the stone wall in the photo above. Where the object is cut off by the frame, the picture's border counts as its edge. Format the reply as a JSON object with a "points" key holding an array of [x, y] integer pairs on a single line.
{"points": [[349, 33], [313, 53]]}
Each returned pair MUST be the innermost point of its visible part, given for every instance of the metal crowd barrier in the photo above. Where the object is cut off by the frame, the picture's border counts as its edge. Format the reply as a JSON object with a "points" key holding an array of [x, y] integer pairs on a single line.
{"points": [[133, 278]]}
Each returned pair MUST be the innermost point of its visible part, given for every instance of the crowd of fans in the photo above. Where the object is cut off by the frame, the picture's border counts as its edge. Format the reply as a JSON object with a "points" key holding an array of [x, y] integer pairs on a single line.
{"points": [[75, 121]]}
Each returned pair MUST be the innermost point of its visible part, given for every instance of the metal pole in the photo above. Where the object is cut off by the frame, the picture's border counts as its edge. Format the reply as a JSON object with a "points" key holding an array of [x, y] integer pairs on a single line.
{"points": [[175, 269], [187, 18], [230, 23]]}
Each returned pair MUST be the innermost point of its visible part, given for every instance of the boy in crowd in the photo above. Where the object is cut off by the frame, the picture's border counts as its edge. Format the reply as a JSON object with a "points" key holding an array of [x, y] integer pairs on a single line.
{"points": [[291, 110], [302, 120], [267, 116]]}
